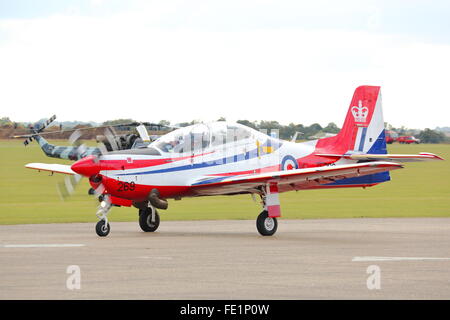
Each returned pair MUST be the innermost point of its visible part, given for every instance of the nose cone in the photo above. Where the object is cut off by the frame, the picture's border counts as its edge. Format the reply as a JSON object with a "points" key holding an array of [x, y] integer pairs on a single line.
{"points": [[88, 166]]}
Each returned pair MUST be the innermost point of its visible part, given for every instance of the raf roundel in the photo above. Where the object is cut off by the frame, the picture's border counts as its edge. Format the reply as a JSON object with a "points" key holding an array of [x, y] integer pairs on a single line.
{"points": [[289, 163]]}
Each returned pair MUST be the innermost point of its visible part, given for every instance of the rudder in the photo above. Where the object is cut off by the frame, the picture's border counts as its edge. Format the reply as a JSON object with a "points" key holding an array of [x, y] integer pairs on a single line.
{"points": [[363, 132], [363, 129]]}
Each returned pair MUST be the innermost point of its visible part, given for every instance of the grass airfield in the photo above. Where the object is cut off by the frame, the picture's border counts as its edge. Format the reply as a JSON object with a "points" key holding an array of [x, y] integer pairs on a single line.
{"points": [[418, 190]]}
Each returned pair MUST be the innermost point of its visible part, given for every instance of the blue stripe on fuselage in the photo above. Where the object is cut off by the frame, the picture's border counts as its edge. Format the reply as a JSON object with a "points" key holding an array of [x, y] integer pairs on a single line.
{"points": [[231, 159], [212, 180]]}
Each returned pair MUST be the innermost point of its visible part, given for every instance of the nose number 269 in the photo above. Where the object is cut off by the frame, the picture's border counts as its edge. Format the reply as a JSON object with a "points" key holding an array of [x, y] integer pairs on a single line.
{"points": [[126, 186]]}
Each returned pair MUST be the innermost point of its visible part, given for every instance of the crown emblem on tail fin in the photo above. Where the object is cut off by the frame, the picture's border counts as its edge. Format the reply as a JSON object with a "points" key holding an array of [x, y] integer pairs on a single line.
{"points": [[360, 113]]}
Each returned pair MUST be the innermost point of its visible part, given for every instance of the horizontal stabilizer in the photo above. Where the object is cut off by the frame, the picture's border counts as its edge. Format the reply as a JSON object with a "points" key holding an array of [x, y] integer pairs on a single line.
{"points": [[58, 168], [300, 177]]}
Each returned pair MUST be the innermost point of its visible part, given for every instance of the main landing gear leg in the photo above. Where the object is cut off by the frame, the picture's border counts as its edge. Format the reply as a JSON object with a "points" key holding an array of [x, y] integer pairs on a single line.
{"points": [[102, 228], [148, 219], [267, 223]]}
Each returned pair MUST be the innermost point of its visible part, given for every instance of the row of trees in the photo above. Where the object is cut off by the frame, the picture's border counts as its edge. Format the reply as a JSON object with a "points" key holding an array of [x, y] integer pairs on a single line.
{"points": [[309, 132], [285, 131], [432, 136]]}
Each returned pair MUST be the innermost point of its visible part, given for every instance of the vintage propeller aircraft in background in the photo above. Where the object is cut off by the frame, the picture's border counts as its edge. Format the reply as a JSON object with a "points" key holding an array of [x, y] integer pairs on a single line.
{"points": [[223, 158], [110, 140]]}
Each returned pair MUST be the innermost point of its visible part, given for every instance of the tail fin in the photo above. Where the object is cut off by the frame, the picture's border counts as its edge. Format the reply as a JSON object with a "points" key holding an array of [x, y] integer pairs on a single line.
{"points": [[64, 152], [51, 150], [362, 132], [48, 148], [363, 129]]}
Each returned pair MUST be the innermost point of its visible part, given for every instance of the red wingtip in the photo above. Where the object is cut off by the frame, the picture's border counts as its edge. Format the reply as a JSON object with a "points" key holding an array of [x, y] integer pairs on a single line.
{"points": [[432, 155]]}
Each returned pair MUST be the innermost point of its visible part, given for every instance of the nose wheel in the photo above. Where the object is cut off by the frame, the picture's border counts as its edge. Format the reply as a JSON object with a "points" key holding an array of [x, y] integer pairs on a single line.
{"points": [[102, 228], [266, 226]]}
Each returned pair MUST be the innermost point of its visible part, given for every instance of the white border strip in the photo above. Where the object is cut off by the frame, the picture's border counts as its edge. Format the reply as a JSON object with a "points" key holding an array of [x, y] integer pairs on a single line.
{"points": [[373, 259]]}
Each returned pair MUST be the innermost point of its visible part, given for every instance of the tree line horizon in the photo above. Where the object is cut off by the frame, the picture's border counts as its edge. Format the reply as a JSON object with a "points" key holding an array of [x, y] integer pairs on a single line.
{"points": [[286, 132]]}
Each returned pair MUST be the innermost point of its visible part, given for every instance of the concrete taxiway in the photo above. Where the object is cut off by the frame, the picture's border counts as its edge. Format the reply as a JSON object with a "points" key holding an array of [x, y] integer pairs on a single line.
{"points": [[407, 258]]}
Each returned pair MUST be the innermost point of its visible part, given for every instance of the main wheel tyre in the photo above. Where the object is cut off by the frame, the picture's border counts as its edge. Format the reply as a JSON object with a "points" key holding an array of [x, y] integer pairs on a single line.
{"points": [[102, 228], [266, 226], [146, 221]]}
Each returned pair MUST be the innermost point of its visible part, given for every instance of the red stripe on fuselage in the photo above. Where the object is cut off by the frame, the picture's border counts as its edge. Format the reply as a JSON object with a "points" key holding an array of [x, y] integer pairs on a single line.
{"points": [[139, 192], [312, 161]]}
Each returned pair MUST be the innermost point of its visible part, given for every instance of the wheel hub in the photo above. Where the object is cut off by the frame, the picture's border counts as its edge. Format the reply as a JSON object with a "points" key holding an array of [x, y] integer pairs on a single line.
{"points": [[269, 224]]}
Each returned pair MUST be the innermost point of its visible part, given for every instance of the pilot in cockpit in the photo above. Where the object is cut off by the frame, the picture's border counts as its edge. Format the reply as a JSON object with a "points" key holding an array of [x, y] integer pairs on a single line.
{"points": [[168, 147], [174, 145]]}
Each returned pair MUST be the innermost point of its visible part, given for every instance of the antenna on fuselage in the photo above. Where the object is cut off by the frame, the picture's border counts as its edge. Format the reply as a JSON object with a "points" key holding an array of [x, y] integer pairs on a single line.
{"points": [[294, 137]]}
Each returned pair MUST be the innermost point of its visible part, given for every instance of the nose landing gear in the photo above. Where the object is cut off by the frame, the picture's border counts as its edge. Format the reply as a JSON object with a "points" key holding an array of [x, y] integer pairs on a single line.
{"points": [[102, 227]]}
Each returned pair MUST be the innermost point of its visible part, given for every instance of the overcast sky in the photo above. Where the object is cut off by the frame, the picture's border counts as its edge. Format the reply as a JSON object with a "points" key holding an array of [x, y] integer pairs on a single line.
{"points": [[289, 61]]}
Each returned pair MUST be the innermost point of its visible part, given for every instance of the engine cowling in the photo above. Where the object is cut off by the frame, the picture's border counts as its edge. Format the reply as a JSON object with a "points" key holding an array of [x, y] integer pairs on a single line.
{"points": [[88, 166]]}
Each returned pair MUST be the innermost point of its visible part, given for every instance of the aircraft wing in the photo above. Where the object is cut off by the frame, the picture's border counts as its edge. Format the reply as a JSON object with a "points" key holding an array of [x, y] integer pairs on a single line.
{"points": [[58, 168], [423, 156], [301, 178]]}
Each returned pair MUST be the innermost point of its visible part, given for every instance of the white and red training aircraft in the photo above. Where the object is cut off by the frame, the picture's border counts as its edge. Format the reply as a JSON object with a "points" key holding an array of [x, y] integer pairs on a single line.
{"points": [[223, 158]]}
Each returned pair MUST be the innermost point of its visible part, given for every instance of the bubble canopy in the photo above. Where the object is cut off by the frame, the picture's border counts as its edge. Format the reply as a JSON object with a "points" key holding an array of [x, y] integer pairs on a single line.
{"points": [[203, 136]]}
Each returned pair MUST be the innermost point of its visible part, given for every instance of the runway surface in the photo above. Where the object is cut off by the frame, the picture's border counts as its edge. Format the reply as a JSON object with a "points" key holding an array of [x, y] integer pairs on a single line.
{"points": [[306, 259]]}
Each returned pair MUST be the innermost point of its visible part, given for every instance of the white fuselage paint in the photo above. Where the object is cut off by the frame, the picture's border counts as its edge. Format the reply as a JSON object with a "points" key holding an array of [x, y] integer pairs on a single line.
{"points": [[211, 164]]}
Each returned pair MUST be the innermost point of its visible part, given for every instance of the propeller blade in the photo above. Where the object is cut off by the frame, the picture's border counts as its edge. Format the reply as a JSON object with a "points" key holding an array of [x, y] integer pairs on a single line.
{"points": [[46, 123], [110, 136], [74, 137], [67, 187], [40, 127], [103, 208], [74, 140], [36, 131], [102, 148], [99, 190], [81, 150]]}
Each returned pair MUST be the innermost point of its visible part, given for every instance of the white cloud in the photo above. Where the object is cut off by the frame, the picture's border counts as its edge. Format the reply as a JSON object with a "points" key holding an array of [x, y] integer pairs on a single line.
{"points": [[99, 68], [97, 3]]}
